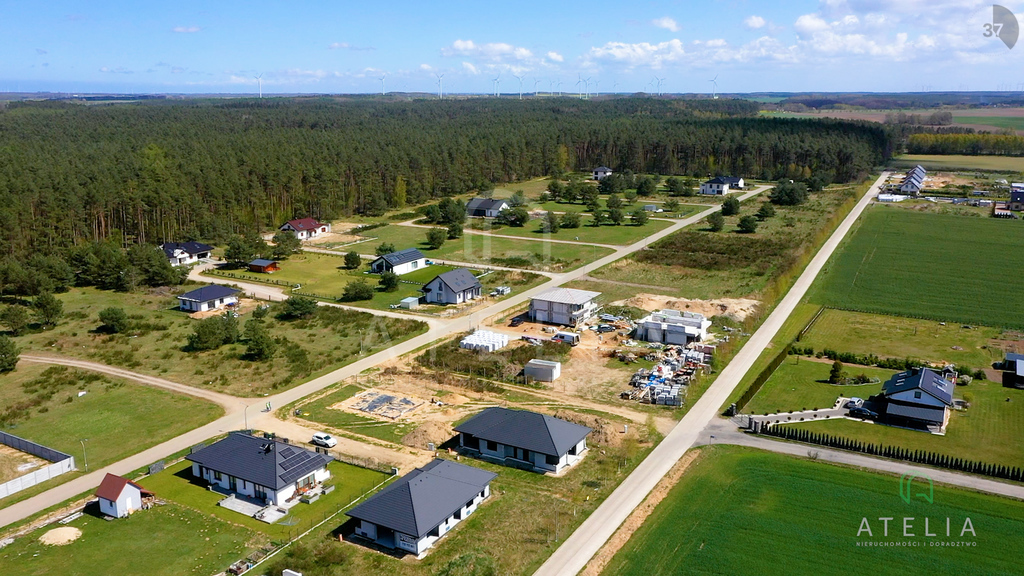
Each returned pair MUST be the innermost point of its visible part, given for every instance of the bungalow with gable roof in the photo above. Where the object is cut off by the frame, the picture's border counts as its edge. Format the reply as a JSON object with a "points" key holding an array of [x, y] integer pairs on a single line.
{"points": [[119, 497], [400, 262], [306, 228], [209, 297], [521, 438], [485, 207], [185, 253], [453, 287]]}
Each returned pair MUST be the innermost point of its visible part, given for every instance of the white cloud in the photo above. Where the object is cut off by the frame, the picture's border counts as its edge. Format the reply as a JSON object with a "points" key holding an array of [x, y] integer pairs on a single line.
{"points": [[666, 22], [426, 67], [470, 68], [347, 46], [493, 51], [555, 57], [754, 22], [186, 29], [118, 70], [716, 43], [640, 53]]}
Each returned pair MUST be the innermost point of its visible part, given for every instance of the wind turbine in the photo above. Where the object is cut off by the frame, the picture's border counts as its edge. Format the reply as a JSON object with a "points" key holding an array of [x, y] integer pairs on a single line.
{"points": [[497, 79], [586, 84], [658, 81], [614, 86], [535, 82], [259, 80], [714, 87], [559, 84], [440, 92], [580, 84], [382, 84], [520, 78], [597, 93]]}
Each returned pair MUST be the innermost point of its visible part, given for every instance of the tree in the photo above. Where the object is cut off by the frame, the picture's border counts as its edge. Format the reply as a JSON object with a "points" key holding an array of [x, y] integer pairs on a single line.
{"points": [[617, 216], [357, 290], [515, 217], [588, 192], [766, 211], [152, 267], [240, 251], [599, 218], [436, 237], [613, 202], [788, 193], [675, 185], [556, 189], [571, 220], [639, 216], [432, 213], [836, 374], [517, 199], [296, 307], [207, 334], [388, 281], [630, 195], [384, 248], [612, 184], [452, 211], [48, 309], [716, 222], [285, 244], [748, 224], [647, 187], [672, 205], [455, 231], [690, 187], [9, 353], [550, 223], [15, 318], [259, 345], [352, 260], [114, 320], [731, 206], [229, 324]]}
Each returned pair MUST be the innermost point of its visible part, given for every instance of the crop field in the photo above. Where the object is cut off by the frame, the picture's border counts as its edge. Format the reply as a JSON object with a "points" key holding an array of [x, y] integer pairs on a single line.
{"points": [[989, 431], [933, 266], [960, 162], [802, 383], [989, 122], [158, 343], [739, 508], [167, 540]]}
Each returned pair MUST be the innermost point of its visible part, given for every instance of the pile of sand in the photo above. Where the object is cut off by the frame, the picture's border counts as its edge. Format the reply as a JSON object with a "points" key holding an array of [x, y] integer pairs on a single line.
{"points": [[61, 536], [604, 432], [455, 399], [736, 308], [429, 432]]}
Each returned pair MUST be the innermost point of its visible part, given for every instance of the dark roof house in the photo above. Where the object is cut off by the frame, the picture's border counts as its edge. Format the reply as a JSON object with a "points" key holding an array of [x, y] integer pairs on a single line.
{"points": [[264, 462], [399, 262], [561, 443], [302, 224], [485, 207], [207, 298], [919, 396], [453, 287], [191, 248]]}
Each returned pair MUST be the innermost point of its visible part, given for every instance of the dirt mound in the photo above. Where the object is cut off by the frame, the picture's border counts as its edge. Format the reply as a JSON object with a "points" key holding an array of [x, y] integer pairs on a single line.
{"points": [[604, 432], [429, 432], [456, 399], [61, 536], [736, 308]]}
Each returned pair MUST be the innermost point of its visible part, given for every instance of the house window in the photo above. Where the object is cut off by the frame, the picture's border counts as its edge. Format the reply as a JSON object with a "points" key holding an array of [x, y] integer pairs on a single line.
{"points": [[492, 446], [217, 476], [551, 460], [917, 394]]}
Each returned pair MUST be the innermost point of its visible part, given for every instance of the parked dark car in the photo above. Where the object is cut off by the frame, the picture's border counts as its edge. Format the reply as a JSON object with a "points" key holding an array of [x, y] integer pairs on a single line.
{"points": [[863, 413], [601, 329], [517, 321]]}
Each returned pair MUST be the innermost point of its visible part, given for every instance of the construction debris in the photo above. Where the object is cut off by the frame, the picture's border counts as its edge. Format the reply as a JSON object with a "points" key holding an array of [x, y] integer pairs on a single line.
{"points": [[385, 405], [667, 382]]}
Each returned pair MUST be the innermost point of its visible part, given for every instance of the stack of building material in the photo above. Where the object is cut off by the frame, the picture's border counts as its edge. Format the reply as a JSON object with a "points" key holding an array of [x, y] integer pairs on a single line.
{"points": [[484, 340]]}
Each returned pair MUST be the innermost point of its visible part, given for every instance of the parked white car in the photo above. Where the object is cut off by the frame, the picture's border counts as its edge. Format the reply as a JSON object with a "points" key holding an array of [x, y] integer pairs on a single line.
{"points": [[323, 439]]}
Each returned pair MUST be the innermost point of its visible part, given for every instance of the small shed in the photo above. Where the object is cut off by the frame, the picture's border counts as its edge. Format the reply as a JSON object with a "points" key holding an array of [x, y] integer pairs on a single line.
{"points": [[263, 266], [409, 303], [650, 207], [543, 370], [119, 496]]}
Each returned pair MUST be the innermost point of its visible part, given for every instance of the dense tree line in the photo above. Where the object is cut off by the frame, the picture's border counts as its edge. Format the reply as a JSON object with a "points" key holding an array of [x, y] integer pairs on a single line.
{"points": [[971, 144], [171, 171]]}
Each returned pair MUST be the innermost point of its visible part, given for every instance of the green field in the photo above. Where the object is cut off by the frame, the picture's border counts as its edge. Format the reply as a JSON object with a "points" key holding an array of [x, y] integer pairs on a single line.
{"points": [[176, 484], [167, 540], [331, 339], [960, 162], [928, 266], [739, 509], [802, 384], [616, 235], [1011, 122], [482, 249]]}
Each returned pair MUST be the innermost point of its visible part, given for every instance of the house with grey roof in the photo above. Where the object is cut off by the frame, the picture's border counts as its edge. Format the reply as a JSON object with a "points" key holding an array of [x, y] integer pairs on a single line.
{"points": [[913, 182], [452, 287], [259, 468], [600, 173], [1013, 370], [400, 262], [524, 439], [209, 297], [721, 185], [919, 398], [563, 306], [418, 509], [485, 207], [185, 253]]}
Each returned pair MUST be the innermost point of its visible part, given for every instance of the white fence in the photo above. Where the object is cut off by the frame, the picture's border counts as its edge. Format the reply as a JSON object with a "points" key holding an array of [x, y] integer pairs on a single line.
{"points": [[61, 463]]}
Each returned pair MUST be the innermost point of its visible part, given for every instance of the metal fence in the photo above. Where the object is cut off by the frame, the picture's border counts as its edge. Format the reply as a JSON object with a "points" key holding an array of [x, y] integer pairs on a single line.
{"points": [[61, 463]]}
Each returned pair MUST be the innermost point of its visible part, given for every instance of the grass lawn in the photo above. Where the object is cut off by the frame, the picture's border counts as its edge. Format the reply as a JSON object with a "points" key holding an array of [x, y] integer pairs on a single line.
{"points": [[176, 484], [899, 337], [739, 507], [481, 249], [802, 383], [616, 235], [989, 431], [166, 540], [960, 162], [306, 348], [319, 411], [932, 266]]}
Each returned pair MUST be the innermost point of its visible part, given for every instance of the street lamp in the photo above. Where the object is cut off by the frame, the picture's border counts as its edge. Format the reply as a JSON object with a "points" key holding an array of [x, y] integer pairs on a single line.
{"points": [[85, 455]]}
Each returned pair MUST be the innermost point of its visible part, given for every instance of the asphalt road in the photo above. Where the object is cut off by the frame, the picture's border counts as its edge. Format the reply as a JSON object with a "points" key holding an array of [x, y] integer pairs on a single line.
{"points": [[573, 555], [237, 416]]}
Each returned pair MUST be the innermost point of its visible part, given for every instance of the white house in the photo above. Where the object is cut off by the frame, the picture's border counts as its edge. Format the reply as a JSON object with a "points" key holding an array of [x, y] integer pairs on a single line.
{"points": [[918, 397], [673, 327], [452, 287], [563, 306], [306, 228], [119, 497], [400, 262], [913, 182], [601, 172], [415, 511], [485, 207], [209, 297], [524, 439], [259, 468], [721, 185], [185, 253]]}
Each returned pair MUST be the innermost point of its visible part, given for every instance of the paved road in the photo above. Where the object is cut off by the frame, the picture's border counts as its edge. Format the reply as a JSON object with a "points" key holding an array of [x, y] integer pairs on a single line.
{"points": [[722, 431], [235, 419], [581, 546]]}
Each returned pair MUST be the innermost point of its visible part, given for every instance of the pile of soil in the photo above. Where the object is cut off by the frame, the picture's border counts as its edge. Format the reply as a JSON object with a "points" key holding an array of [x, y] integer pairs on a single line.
{"points": [[736, 308], [436, 432], [604, 432], [455, 399], [61, 536]]}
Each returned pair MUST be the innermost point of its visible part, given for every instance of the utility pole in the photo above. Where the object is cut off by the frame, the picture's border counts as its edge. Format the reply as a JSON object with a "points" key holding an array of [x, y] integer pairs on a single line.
{"points": [[84, 454]]}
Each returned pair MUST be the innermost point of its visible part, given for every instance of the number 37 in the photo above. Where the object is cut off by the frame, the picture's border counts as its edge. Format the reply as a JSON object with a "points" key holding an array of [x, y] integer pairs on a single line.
{"points": [[992, 29]]}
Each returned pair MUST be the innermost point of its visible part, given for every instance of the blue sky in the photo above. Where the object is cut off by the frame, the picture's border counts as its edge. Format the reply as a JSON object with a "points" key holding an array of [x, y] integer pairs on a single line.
{"points": [[344, 47]]}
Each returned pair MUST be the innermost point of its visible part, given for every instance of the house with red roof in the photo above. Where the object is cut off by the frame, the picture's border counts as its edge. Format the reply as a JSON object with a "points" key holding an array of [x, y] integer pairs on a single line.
{"points": [[306, 228], [119, 496]]}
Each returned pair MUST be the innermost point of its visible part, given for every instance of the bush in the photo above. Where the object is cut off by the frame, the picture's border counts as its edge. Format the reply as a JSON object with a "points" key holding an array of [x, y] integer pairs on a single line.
{"points": [[748, 224], [352, 260], [358, 290], [259, 345], [731, 206], [114, 320], [571, 220], [766, 211], [384, 248], [436, 237], [639, 216], [15, 318], [516, 217], [716, 222], [296, 307], [551, 223], [9, 353], [789, 193], [48, 309], [208, 334], [388, 282], [455, 230]]}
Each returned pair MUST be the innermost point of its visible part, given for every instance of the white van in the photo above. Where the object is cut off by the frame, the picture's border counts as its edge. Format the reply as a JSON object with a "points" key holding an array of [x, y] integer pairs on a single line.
{"points": [[570, 338]]}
